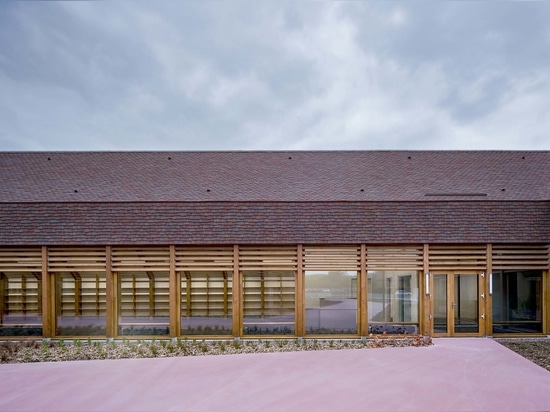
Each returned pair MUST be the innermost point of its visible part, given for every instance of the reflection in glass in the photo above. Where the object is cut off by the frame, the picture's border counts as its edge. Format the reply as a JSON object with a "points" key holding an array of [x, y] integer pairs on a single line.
{"points": [[393, 302], [466, 304], [331, 302], [206, 302], [269, 302], [517, 301], [440, 303], [80, 304], [20, 304], [143, 303]]}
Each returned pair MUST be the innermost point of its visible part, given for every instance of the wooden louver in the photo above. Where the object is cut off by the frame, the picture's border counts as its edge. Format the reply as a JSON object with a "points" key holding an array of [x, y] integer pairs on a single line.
{"points": [[268, 258], [140, 259], [20, 259], [87, 259], [394, 257], [210, 258], [457, 257], [332, 257], [520, 257]]}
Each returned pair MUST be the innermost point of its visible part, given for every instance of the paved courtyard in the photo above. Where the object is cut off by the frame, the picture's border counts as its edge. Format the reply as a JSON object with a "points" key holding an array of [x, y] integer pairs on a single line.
{"points": [[452, 375]]}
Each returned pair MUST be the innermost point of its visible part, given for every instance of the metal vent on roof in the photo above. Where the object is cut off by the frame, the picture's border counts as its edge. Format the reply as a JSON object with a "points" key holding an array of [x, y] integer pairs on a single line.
{"points": [[457, 194]]}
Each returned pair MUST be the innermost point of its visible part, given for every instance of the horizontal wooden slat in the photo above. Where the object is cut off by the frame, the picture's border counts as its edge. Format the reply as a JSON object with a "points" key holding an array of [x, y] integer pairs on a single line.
{"points": [[332, 258], [457, 257], [268, 258], [140, 259], [521, 257], [394, 257], [204, 258], [20, 259], [87, 259]]}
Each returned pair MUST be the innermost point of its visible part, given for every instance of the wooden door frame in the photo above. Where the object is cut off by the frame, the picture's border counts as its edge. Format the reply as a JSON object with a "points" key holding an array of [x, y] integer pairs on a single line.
{"points": [[450, 297]]}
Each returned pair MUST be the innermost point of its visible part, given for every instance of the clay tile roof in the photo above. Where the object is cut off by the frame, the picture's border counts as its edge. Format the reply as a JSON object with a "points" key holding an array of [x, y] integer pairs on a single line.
{"points": [[294, 176]]}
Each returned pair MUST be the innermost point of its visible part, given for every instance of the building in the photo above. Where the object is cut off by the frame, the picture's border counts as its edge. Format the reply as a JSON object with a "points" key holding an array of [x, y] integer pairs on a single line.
{"points": [[274, 244]]}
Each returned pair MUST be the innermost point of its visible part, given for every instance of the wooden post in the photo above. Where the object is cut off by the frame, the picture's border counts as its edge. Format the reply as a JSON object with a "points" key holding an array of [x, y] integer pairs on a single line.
{"points": [[488, 309], [47, 296], [546, 302], [363, 293], [237, 294], [175, 314], [300, 293], [426, 299], [110, 296], [3, 280]]}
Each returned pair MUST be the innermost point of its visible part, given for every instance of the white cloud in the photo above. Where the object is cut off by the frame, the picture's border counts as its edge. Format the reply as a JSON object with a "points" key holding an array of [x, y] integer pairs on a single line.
{"points": [[397, 17]]}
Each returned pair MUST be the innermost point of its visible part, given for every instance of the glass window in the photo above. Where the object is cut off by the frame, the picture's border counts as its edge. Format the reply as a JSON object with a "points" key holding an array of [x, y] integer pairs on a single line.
{"points": [[393, 302], [517, 301], [20, 304], [269, 302], [206, 303], [80, 304], [143, 303], [331, 302]]}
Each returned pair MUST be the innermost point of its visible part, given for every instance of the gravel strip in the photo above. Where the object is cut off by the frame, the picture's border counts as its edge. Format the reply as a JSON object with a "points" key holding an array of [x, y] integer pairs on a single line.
{"points": [[58, 351], [536, 350]]}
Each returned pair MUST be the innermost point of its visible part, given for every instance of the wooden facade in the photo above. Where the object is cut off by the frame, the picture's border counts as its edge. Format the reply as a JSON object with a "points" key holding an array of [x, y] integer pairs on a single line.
{"points": [[129, 290]]}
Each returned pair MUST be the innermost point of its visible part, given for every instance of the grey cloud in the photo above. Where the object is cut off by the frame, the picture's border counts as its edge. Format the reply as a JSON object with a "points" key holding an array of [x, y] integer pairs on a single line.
{"points": [[272, 75]]}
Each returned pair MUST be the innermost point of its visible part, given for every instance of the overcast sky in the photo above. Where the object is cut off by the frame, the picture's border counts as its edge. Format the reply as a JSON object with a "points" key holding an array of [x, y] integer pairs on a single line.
{"points": [[274, 75]]}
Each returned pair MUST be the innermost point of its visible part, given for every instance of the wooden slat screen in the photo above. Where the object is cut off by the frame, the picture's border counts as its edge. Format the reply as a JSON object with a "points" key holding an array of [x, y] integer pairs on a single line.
{"points": [[22, 293], [332, 257], [268, 258], [395, 257], [144, 294], [140, 259], [20, 259], [206, 294], [268, 294], [457, 257], [204, 258], [81, 295], [521, 257], [86, 259]]}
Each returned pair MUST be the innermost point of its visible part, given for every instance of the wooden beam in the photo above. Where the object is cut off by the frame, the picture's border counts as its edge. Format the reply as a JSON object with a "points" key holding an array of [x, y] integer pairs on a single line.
{"points": [[299, 294], [111, 298], [363, 293], [426, 306], [175, 296], [488, 297], [47, 297], [237, 294], [3, 280], [545, 302]]}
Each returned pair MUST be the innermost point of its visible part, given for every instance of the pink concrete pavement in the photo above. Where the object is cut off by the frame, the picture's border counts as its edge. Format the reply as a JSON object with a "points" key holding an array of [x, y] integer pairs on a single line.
{"points": [[452, 375]]}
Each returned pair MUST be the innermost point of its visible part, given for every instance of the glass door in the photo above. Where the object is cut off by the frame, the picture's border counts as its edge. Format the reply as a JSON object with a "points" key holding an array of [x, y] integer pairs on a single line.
{"points": [[456, 304]]}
